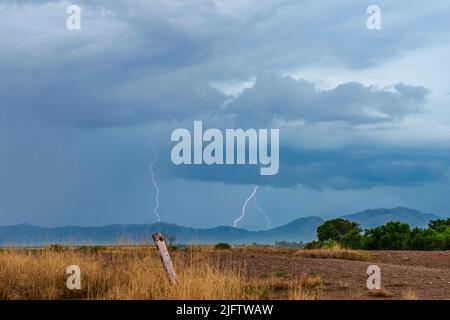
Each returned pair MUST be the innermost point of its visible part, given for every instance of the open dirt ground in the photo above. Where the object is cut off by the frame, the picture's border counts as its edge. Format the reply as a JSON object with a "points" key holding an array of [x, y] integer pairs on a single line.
{"points": [[404, 274]]}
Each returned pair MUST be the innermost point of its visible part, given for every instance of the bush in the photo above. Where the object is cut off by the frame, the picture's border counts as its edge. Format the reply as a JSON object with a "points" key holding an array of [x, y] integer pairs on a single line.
{"points": [[56, 247], [222, 246], [91, 249], [313, 245]]}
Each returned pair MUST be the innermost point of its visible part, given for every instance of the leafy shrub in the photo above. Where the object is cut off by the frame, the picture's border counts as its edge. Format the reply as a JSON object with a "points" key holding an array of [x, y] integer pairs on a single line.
{"points": [[313, 245], [222, 246], [91, 249], [55, 247]]}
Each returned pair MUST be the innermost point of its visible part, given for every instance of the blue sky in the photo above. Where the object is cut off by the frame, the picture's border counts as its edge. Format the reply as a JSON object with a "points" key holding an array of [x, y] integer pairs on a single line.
{"points": [[363, 114]]}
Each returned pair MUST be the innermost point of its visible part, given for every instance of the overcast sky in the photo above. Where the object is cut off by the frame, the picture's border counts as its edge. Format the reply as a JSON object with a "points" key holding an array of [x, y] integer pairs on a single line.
{"points": [[364, 115]]}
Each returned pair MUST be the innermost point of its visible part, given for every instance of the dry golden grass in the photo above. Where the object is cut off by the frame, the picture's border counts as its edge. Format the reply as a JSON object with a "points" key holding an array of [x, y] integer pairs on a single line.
{"points": [[304, 287], [409, 295], [335, 252], [264, 250], [137, 273], [343, 285], [307, 287], [380, 293]]}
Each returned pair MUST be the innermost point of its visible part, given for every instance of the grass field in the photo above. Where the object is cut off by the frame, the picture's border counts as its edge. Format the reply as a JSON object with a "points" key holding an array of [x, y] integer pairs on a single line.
{"points": [[136, 273], [207, 273]]}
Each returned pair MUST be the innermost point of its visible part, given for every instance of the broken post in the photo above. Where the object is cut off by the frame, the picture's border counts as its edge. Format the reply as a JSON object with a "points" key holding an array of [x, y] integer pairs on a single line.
{"points": [[165, 257]]}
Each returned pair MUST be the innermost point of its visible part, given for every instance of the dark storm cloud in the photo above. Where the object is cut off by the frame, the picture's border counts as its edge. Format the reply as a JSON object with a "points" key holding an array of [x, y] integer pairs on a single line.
{"points": [[79, 109], [281, 97], [152, 61], [341, 169], [68, 101]]}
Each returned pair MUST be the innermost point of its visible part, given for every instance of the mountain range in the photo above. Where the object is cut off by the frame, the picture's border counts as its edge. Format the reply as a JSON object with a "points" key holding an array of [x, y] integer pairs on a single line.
{"points": [[302, 229]]}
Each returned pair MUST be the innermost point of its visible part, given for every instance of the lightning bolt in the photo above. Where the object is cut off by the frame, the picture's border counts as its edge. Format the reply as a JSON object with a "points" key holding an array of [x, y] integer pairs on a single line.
{"points": [[245, 206], [264, 214], [156, 209]]}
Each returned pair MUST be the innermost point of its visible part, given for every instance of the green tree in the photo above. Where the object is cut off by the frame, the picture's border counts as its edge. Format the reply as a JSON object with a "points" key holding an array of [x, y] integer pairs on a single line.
{"points": [[352, 239], [439, 225], [391, 236], [335, 229]]}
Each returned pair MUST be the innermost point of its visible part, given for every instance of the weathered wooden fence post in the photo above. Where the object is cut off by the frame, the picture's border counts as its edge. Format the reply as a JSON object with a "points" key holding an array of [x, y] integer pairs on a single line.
{"points": [[165, 257]]}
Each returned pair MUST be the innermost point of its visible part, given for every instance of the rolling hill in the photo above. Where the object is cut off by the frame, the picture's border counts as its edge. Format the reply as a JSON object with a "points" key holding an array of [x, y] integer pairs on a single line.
{"points": [[28, 235], [302, 229], [375, 217]]}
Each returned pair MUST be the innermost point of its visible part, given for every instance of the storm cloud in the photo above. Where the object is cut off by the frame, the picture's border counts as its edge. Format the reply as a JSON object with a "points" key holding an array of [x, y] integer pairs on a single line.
{"points": [[79, 109]]}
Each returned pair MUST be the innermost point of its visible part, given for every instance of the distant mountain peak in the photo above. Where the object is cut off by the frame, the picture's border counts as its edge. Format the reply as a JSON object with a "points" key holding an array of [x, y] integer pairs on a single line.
{"points": [[371, 218], [301, 229]]}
